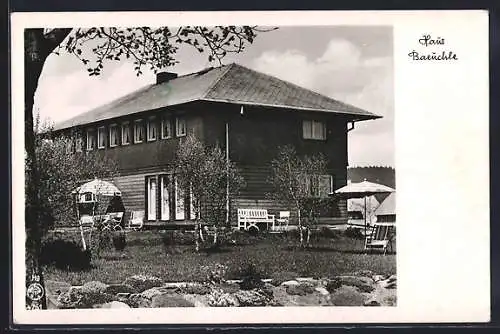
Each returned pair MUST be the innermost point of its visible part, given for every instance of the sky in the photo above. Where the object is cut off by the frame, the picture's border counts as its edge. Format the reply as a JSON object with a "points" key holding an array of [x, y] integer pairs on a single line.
{"points": [[353, 64]]}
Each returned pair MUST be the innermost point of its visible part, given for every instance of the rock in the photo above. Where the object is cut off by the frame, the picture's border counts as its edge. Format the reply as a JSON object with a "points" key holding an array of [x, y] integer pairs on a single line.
{"points": [[151, 293], [323, 291], [392, 285], [219, 298], [142, 282], [251, 298], [302, 289], [279, 277], [390, 300], [137, 301], [195, 289], [332, 285], [372, 303], [84, 296], [56, 287], [228, 287], [52, 290], [347, 296], [114, 304], [268, 290], [364, 273], [115, 289], [305, 279], [289, 283], [94, 287], [125, 295], [364, 284], [377, 278], [170, 300], [391, 279]]}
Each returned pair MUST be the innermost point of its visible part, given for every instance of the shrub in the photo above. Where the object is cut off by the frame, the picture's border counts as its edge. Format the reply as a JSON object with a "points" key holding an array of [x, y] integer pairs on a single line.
{"points": [[251, 277], [354, 233], [215, 273], [283, 276], [242, 238], [326, 232], [300, 290], [119, 241], [333, 285], [196, 289], [143, 282], [174, 238], [65, 255], [219, 298]]}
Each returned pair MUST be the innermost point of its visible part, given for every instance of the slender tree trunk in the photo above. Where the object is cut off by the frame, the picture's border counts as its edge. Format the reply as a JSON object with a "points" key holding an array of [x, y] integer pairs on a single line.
{"points": [[197, 232], [308, 236], [33, 65], [301, 232], [37, 47]]}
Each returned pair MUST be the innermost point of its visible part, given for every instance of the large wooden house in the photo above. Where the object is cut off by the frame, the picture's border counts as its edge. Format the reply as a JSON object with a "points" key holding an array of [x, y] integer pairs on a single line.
{"points": [[249, 114]]}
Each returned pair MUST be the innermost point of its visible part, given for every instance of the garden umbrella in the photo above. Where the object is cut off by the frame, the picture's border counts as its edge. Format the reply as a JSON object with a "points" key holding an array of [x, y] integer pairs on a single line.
{"points": [[98, 187], [362, 190]]}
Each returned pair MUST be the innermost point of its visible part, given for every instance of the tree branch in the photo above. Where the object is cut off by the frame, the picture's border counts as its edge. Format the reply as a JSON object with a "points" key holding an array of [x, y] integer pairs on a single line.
{"points": [[54, 38]]}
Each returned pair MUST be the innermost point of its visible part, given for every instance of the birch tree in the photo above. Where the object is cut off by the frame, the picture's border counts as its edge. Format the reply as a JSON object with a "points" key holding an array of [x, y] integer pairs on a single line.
{"points": [[294, 180]]}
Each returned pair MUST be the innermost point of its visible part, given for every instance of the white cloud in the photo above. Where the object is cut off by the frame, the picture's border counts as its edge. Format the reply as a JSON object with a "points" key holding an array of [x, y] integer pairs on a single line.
{"points": [[60, 97], [342, 72]]}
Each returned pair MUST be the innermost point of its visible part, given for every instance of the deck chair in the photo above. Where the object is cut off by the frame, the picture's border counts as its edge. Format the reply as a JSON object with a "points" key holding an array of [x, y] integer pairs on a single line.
{"points": [[136, 220], [282, 222], [380, 237]]}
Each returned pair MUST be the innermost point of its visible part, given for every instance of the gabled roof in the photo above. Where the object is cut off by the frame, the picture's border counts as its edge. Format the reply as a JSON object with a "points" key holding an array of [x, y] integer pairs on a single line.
{"points": [[388, 206], [231, 83]]}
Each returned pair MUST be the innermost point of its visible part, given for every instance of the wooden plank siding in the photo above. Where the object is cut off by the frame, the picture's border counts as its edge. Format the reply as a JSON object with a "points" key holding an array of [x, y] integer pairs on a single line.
{"points": [[254, 140], [254, 194]]}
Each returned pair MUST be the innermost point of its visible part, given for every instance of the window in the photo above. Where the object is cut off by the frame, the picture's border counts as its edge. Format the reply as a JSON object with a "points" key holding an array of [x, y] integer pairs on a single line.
{"points": [[325, 185], [164, 197], [151, 130], [313, 130], [78, 142], [180, 126], [138, 131], [166, 128], [179, 201], [318, 185], [113, 135], [101, 137], [125, 133], [90, 140], [151, 197]]}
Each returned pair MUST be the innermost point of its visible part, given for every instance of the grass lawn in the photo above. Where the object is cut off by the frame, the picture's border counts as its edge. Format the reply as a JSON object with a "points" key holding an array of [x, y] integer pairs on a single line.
{"points": [[146, 254]]}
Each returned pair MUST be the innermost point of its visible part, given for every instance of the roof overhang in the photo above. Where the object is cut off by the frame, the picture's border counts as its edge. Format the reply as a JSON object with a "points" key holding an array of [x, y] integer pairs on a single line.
{"points": [[353, 117]]}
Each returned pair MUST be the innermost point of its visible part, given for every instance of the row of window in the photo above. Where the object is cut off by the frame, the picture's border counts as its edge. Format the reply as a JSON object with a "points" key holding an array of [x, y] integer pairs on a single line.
{"points": [[127, 132]]}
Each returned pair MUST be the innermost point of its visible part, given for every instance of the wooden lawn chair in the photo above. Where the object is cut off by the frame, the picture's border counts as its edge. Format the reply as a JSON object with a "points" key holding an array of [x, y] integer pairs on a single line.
{"points": [[136, 220], [380, 237]]}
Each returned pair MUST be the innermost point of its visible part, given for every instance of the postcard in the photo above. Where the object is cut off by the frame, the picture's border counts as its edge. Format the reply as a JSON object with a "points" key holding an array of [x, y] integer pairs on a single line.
{"points": [[242, 167]]}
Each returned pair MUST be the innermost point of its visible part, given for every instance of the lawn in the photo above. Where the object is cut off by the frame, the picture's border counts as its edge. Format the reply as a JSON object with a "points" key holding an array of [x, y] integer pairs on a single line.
{"points": [[146, 253]]}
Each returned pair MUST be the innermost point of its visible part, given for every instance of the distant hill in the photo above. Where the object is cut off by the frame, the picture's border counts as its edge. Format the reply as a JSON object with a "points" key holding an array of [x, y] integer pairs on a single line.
{"points": [[377, 174]]}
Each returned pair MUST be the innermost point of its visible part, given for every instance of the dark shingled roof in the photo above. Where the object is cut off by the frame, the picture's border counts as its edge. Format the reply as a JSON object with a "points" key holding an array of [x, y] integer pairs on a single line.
{"points": [[231, 83]]}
